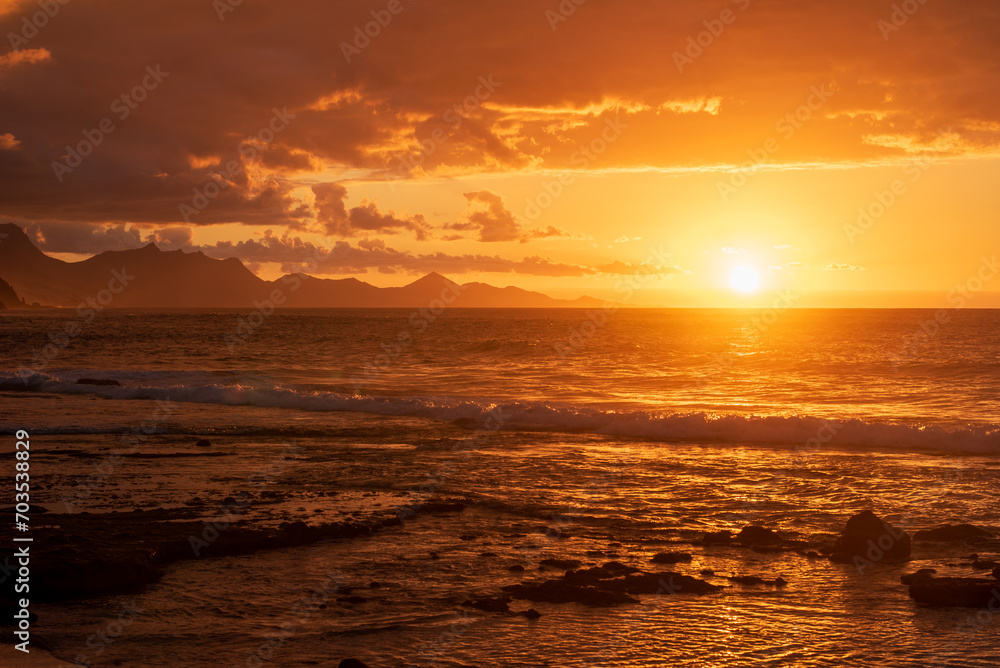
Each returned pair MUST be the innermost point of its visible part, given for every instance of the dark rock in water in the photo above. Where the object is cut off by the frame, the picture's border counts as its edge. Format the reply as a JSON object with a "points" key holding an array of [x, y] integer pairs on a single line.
{"points": [[103, 382], [559, 591], [499, 604], [722, 537], [780, 582], [984, 564], [352, 663], [353, 600], [757, 535], [707, 572], [812, 554], [531, 613], [488, 554], [516, 568], [956, 592], [203, 443], [612, 584], [374, 585], [954, 533], [671, 557], [435, 556], [867, 540], [561, 564], [910, 578]]}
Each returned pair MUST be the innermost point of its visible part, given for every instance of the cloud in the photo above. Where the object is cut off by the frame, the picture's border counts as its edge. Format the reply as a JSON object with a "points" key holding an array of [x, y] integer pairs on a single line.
{"points": [[85, 239], [26, 56], [8, 142], [493, 221], [365, 117], [338, 220], [619, 268], [836, 266], [292, 252]]}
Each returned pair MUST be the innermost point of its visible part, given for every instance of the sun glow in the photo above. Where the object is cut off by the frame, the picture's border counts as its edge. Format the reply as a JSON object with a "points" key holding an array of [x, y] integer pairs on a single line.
{"points": [[744, 279]]}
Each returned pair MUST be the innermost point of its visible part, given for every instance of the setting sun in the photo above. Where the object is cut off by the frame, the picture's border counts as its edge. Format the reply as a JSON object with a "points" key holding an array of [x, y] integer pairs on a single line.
{"points": [[744, 279]]}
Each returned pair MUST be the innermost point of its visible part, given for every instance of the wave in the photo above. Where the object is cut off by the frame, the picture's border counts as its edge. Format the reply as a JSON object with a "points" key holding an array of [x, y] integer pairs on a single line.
{"points": [[805, 433]]}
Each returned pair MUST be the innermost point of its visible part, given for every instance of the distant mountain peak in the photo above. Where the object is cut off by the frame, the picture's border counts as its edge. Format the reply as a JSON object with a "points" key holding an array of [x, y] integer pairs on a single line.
{"points": [[432, 279]]}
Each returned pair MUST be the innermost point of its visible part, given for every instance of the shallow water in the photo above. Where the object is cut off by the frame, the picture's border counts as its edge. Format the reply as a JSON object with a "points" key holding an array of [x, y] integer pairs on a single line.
{"points": [[636, 439]]}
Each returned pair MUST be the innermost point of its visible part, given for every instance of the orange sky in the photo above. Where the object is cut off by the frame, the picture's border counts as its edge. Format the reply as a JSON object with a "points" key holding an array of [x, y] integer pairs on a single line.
{"points": [[519, 143]]}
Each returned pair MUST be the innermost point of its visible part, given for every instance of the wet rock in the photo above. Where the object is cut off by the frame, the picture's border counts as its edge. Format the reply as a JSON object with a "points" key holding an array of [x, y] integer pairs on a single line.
{"points": [[910, 578], [203, 443], [374, 585], [956, 592], [812, 554], [559, 591], [723, 537], [488, 554], [984, 564], [954, 533], [757, 535], [755, 580], [867, 540], [101, 382], [671, 557], [352, 663], [499, 604], [996, 572], [516, 568], [561, 564], [707, 572], [612, 584], [531, 613], [353, 600]]}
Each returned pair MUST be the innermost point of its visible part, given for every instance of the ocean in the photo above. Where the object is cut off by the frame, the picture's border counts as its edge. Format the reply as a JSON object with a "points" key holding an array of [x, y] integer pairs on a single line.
{"points": [[567, 435]]}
